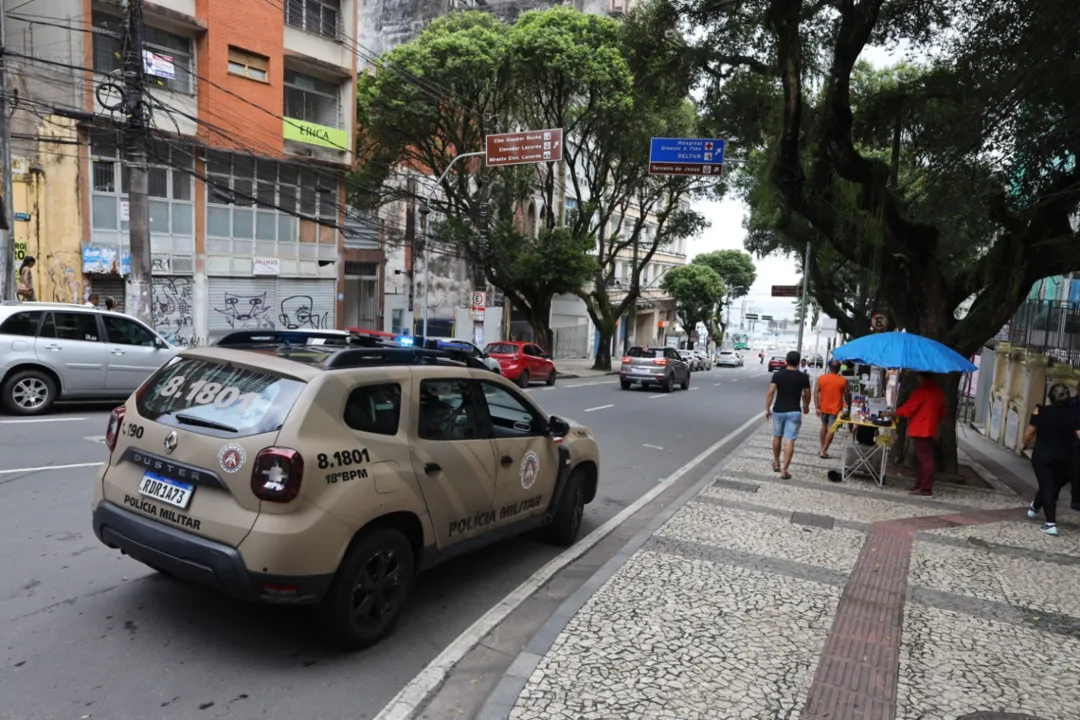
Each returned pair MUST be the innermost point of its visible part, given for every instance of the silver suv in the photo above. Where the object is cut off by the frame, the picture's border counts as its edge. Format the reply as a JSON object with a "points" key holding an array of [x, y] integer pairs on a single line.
{"points": [[53, 351]]}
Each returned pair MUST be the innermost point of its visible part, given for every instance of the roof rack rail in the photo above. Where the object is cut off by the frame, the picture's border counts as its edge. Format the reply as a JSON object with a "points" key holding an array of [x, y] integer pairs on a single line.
{"points": [[390, 355], [272, 338]]}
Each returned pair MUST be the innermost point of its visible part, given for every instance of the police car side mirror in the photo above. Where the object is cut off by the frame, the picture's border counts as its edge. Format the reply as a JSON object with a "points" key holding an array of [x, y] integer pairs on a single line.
{"points": [[558, 427]]}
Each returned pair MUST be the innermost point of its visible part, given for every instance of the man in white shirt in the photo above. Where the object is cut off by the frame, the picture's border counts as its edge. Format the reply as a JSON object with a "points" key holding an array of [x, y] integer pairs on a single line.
{"points": [[92, 300]]}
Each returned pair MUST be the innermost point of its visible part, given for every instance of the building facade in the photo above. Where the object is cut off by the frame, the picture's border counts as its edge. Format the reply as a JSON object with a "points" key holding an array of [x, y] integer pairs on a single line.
{"points": [[252, 106]]}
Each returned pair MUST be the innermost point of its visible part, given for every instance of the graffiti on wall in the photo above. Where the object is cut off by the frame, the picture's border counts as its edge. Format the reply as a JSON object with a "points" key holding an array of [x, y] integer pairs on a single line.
{"points": [[245, 312], [172, 307], [298, 312], [65, 282]]}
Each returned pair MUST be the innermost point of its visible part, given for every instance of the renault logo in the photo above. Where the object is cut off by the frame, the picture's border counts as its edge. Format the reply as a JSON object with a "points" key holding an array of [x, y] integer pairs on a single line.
{"points": [[170, 443]]}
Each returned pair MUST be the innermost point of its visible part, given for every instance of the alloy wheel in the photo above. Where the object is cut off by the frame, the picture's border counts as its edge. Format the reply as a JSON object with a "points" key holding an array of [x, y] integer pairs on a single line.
{"points": [[379, 590], [30, 393]]}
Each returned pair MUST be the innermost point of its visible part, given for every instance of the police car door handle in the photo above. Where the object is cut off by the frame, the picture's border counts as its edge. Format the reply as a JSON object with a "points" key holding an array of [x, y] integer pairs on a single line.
{"points": [[506, 460], [432, 467]]}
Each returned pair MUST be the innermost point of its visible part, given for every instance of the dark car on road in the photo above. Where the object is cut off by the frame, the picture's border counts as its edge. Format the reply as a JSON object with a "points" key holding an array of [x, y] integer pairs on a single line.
{"points": [[777, 362], [662, 366]]}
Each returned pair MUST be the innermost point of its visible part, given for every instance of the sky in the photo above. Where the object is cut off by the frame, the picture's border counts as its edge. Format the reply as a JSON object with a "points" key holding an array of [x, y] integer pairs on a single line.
{"points": [[726, 232]]}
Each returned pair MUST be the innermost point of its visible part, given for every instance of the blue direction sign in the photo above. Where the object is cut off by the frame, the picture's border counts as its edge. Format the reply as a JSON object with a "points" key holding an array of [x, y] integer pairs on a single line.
{"points": [[686, 156]]}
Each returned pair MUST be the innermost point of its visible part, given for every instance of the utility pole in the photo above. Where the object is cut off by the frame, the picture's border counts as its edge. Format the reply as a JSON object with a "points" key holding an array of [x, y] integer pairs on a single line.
{"points": [[635, 288], [137, 301], [8, 283], [480, 263], [805, 290]]}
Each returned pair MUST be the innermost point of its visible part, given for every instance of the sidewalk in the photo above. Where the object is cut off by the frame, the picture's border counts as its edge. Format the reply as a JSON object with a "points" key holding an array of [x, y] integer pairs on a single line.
{"points": [[582, 368], [754, 597]]}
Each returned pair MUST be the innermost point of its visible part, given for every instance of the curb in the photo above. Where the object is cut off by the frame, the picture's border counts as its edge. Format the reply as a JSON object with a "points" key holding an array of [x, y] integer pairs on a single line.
{"points": [[502, 699], [574, 375]]}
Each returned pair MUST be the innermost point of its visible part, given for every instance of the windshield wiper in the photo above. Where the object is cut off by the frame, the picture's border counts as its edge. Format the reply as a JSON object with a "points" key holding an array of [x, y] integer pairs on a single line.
{"points": [[192, 420]]}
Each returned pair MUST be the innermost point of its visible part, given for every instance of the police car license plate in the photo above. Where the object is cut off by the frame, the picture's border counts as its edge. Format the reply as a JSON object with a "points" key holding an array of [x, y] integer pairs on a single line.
{"points": [[165, 490]]}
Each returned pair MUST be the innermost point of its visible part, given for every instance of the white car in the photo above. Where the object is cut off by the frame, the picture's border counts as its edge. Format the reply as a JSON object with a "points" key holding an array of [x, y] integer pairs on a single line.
{"points": [[491, 363], [705, 362], [728, 358]]}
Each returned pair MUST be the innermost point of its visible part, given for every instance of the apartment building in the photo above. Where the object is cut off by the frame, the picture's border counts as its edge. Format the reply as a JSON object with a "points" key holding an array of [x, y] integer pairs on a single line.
{"points": [[252, 105]]}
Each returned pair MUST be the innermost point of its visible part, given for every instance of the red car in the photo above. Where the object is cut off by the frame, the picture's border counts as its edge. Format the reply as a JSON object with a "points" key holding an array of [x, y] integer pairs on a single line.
{"points": [[522, 362], [777, 362]]}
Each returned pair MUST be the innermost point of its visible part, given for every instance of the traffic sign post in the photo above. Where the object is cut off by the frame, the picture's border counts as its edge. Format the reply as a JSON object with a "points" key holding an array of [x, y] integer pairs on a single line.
{"points": [[477, 305], [521, 148], [879, 321], [686, 156]]}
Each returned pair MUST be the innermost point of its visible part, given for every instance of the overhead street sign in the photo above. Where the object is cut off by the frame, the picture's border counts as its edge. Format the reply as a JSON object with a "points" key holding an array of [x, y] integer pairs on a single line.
{"points": [[686, 156], [787, 290], [751, 316], [531, 146], [684, 169]]}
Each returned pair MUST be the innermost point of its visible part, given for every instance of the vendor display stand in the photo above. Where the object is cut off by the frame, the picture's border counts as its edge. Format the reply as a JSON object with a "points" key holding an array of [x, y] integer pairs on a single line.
{"points": [[871, 459]]}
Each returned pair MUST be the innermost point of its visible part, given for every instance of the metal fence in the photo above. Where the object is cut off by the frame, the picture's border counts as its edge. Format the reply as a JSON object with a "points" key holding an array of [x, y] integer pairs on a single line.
{"points": [[571, 342], [1047, 327]]}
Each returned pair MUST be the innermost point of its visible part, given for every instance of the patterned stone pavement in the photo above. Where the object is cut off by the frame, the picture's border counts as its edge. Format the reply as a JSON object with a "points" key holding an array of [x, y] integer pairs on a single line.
{"points": [[769, 599]]}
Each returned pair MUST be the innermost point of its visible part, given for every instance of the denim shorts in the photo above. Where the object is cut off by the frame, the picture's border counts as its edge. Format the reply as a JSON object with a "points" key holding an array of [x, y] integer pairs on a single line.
{"points": [[786, 425], [827, 420]]}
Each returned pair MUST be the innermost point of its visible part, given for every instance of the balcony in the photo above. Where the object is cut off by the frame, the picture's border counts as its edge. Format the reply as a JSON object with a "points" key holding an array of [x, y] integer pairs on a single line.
{"points": [[317, 30]]}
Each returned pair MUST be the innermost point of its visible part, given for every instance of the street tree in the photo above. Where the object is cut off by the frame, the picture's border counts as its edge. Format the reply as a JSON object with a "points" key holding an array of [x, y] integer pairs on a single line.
{"points": [[736, 268], [946, 184], [697, 291], [596, 79]]}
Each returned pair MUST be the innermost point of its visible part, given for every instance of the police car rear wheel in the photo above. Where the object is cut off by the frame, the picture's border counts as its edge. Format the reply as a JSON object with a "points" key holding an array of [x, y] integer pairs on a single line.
{"points": [[369, 590], [566, 523]]}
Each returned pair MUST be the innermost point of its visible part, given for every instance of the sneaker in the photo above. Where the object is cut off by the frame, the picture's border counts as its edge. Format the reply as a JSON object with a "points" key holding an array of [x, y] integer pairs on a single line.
{"points": [[1049, 529], [1032, 513]]}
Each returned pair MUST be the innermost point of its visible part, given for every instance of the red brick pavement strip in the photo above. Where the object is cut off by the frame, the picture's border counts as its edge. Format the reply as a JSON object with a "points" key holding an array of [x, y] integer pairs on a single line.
{"points": [[857, 674]]}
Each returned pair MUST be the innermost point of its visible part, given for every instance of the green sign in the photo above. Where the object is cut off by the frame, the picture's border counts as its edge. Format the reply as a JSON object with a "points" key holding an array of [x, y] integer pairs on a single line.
{"points": [[312, 134], [20, 251]]}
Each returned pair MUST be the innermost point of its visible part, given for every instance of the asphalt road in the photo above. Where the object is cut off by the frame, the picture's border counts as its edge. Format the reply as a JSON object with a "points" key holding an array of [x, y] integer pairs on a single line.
{"points": [[86, 632]]}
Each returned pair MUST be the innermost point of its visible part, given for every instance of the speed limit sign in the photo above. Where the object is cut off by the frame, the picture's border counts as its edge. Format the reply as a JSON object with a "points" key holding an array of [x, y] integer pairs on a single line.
{"points": [[479, 299]]}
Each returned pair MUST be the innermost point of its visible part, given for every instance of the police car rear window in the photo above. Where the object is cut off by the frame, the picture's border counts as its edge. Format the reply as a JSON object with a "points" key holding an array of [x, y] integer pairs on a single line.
{"points": [[218, 399]]}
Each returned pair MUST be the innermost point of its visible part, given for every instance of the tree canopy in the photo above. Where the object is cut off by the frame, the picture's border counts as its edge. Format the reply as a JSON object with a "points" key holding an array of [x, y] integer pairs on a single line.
{"points": [[697, 290]]}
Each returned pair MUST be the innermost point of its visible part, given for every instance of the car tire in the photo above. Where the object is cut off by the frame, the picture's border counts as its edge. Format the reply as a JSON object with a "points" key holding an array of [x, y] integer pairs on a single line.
{"points": [[29, 392], [551, 377], [523, 379], [566, 521], [377, 561], [666, 385], [685, 384], [625, 385]]}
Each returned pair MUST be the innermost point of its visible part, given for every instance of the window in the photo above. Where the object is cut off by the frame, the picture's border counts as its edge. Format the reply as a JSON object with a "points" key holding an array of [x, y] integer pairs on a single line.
{"points": [[312, 100], [447, 411], [315, 16], [170, 49], [249, 65], [397, 320], [374, 409], [23, 324], [71, 326], [172, 212], [122, 331], [510, 415]]}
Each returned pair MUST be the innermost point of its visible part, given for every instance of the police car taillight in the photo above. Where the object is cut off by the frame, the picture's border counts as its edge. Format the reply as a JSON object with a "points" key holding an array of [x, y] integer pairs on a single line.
{"points": [[276, 474], [112, 432]]}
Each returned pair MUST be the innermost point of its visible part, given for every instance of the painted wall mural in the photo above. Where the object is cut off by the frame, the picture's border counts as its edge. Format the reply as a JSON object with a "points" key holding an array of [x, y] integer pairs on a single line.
{"points": [[245, 312], [298, 312]]}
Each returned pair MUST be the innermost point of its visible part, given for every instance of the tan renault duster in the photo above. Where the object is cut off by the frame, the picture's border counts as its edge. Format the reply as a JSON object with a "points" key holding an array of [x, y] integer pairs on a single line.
{"points": [[332, 476]]}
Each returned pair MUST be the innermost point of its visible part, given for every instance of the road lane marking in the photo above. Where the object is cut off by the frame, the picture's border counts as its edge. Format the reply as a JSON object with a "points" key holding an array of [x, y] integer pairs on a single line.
{"points": [[41, 420], [654, 447], [599, 407], [653, 397], [49, 467], [717, 384], [405, 704], [95, 438]]}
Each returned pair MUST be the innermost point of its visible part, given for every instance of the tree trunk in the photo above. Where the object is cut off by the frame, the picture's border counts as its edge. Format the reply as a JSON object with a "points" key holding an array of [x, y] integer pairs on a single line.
{"points": [[540, 322], [945, 450], [603, 352]]}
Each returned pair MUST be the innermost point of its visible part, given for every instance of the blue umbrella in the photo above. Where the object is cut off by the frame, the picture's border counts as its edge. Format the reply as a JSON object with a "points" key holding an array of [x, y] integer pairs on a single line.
{"points": [[904, 350]]}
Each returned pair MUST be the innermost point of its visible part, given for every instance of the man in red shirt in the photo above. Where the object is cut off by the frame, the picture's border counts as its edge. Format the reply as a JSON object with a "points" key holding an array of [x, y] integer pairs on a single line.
{"points": [[924, 410]]}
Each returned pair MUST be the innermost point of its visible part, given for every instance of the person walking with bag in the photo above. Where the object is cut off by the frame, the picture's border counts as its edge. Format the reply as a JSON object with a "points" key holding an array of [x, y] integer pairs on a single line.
{"points": [[25, 289], [1053, 428]]}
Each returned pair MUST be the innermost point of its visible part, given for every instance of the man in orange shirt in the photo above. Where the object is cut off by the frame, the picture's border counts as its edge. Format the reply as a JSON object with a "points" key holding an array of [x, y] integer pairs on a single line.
{"points": [[830, 395], [924, 411]]}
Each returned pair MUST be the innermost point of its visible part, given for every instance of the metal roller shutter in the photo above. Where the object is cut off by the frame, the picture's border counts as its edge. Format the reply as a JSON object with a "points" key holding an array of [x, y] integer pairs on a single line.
{"points": [[306, 303], [241, 303], [113, 286]]}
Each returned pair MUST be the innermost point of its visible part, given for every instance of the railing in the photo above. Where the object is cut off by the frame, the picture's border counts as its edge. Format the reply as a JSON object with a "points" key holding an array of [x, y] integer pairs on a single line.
{"points": [[1048, 327]]}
